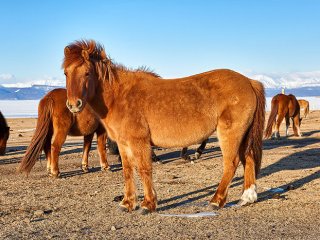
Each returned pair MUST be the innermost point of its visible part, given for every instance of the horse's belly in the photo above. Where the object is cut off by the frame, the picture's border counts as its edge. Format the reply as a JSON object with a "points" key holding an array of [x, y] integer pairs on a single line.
{"points": [[179, 135]]}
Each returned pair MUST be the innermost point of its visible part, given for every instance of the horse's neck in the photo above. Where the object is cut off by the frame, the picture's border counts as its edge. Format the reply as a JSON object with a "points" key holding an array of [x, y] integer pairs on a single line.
{"points": [[103, 100]]}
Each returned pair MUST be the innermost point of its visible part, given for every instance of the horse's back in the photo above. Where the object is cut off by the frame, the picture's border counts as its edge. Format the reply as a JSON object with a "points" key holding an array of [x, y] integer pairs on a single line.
{"points": [[191, 107]]}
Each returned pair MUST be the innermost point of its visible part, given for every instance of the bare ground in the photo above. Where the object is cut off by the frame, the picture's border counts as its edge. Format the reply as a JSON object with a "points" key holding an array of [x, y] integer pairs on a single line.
{"points": [[85, 206]]}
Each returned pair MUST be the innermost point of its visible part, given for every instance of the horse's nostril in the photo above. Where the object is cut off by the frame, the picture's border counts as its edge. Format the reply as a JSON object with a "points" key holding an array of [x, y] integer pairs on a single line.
{"points": [[79, 103]]}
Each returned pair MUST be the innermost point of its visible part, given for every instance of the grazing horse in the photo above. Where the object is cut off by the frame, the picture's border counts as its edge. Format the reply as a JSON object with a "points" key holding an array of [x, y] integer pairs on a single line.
{"points": [[304, 104], [4, 134], [283, 106], [140, 110], [54, 123]]}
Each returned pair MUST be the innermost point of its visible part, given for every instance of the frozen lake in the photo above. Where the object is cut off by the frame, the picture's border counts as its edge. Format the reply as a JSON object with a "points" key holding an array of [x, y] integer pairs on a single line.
{"points": [[29, 108]]}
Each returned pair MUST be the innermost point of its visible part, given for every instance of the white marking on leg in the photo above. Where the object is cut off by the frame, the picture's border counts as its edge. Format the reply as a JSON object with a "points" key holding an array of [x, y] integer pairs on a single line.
{"points": [[287, 130], [249, 195], [299, 133]]}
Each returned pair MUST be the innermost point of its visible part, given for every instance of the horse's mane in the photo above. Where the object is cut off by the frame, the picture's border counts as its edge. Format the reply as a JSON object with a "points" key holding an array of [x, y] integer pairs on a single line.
{"points": [[97, 53], [3, 124]]}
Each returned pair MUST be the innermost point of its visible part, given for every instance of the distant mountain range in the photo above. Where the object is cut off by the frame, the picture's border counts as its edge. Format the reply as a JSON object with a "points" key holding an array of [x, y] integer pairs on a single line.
{"points": [[26, 93], [302, 84]]}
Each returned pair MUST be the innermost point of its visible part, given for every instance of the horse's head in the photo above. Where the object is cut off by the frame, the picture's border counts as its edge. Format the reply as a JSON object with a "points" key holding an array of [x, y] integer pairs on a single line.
{"points": [[82, 75], [3, 140]]}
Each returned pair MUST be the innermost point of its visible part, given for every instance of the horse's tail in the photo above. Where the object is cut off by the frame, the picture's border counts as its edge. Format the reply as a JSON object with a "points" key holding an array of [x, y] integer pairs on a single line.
{"points": [[272, 117], [40, 136], [306, 110], [253, 138]]}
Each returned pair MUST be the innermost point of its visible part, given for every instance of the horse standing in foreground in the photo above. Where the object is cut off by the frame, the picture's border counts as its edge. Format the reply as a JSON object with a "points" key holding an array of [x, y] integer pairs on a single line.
{"points": [[140, 110], [54, 123], [304, 104], [4, 134], [283, 106]]}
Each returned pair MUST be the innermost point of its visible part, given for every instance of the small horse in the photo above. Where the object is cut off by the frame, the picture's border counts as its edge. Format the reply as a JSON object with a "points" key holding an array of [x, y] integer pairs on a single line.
{"points": [[304, 104], [283, 106], [54, 123], [140, 110], [4, 134]]}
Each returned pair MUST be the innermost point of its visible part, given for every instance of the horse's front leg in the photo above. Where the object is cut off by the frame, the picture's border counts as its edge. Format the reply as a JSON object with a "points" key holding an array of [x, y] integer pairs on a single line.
{"points": [[144, 162], [102, 140], [129, 201], [87, 141]]}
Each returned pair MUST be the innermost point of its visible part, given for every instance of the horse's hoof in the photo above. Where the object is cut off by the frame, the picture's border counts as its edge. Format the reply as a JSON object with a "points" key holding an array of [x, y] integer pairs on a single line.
{"points": [[123, 209], [55, 175], [144, 211], [105, 169], [186, 158], [197, 155], [214, 206], [243, 203], [85, 168]]}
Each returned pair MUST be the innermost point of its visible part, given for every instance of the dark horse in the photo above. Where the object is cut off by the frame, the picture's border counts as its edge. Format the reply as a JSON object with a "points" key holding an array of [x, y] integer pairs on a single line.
{"points": [[283, 106], [140, 110], [54, 123], [4, 134]]}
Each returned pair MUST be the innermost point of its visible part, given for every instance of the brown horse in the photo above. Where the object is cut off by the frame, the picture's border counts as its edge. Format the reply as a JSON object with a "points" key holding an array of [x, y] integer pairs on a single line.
{"points": [[54, 123], [283, 106], [140, 110], [4, 134], [304, 104]]}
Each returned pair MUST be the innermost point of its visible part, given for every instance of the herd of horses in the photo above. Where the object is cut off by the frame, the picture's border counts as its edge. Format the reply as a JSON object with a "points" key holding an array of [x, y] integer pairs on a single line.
{"points": [[138, 110]]}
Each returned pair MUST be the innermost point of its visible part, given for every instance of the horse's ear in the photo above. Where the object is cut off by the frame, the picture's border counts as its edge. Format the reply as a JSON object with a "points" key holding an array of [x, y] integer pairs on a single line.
{"points": [[66, 50], [85, 55]]}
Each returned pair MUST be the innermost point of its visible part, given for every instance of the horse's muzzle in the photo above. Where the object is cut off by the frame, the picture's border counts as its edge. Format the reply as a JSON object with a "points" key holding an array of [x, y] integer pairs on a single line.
{"points": [[75, 108]]}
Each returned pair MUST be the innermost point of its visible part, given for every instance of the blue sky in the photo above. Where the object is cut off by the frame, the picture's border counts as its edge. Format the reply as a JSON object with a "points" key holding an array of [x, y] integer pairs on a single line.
{"points": [[174, 38]]}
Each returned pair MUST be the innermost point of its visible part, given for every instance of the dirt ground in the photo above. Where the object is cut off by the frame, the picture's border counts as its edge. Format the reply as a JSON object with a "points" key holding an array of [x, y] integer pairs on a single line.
{"points": [[85, 206]]}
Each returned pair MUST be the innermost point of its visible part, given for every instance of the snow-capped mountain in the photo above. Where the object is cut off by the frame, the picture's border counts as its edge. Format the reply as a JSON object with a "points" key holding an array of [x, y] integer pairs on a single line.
{"points": [[288, 80], [298, 83], [25, 93]]}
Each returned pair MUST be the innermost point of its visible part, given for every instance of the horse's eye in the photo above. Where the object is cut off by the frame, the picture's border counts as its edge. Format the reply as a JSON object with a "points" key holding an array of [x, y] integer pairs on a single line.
{"points": [[87, 74]]}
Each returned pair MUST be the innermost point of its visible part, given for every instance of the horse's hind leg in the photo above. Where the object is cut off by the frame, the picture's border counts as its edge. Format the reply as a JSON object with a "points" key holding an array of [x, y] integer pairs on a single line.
{"points": [[87, 141], [278, 123], [296, 126], [249, 186], [47, 151], [229, 140], [102, 139], [184, 155], [59, 137], [287, 125], [200, 149]]}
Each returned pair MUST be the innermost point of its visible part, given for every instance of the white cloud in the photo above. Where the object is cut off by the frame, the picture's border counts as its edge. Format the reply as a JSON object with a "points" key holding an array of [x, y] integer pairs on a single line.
{"points": [[6, 76]]}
